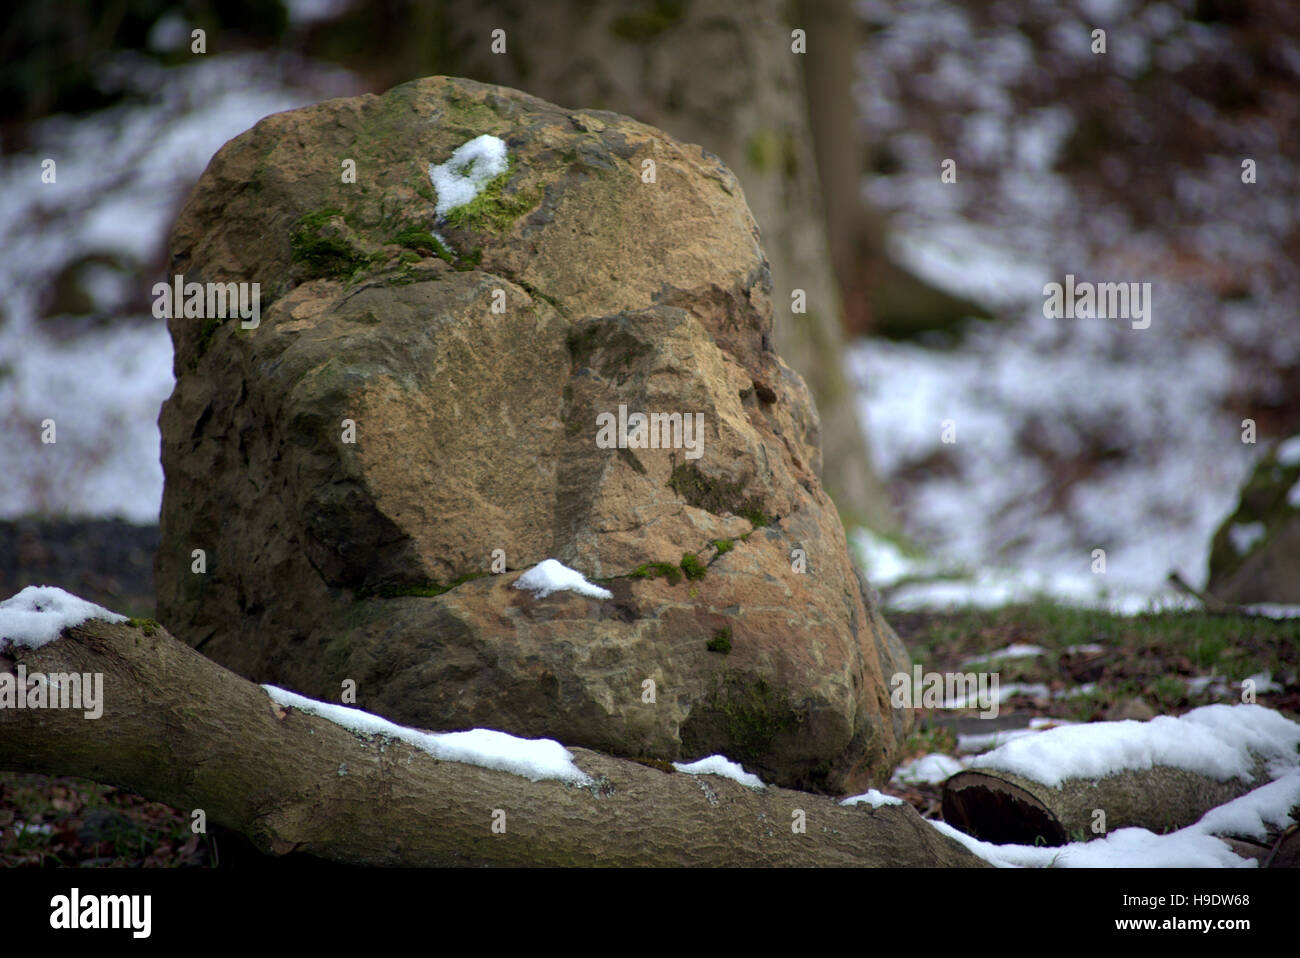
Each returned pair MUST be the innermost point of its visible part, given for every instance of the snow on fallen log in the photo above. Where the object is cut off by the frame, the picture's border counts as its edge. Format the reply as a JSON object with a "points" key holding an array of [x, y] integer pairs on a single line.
{"points": [[1085, 780], [295, 774]]}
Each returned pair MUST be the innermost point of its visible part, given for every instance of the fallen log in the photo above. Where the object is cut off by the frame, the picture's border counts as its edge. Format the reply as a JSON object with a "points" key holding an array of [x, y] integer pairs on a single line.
{"points": [[1005, 808], [178, 728]]}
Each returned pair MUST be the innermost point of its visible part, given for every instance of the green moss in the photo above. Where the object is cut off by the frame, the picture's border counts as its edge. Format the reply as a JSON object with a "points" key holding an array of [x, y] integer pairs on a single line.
{"points": [[470, 260], [147, 626], [656, 763], [471, 112], [427, 589], [653, 570], [413, 237], [324, 256], [312, 222], [721, 641], [747, 712], [647, 24], [692, 567], [724, 545], [716, 495], [493, 210], [404, 276]]}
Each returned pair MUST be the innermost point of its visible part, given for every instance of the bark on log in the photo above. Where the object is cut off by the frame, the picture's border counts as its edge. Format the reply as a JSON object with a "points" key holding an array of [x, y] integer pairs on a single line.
{"points": [[1002, 807], [180, 729]]}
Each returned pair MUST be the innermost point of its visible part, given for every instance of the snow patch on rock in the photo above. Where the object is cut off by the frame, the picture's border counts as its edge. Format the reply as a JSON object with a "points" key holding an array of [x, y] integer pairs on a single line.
{"points": [[551, 575], [471, 167]]}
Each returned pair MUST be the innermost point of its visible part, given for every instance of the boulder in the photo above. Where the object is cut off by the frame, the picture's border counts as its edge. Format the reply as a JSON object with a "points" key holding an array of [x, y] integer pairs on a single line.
{"points": [[1255, 556], [431, 404]]}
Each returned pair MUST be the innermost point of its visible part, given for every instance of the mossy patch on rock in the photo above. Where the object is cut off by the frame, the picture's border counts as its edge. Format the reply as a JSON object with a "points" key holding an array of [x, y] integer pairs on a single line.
{"points": [[428, 589], [494, 210], [657, 763], [414, 238], [653, 570], [692, 567], [743, 715], [147, 626], [721, 641], [319, 244], [717, 496]]}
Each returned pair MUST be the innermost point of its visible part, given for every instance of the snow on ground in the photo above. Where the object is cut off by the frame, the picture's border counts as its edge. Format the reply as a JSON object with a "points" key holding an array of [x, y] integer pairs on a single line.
{"points": [[535, 759], [995, 505], [121, 175], [928, 769], [23, 828], [551, 575], [1076, 434], [1017, 650], [720, 765], [1124, 848], [1273, 610], [908, 584], [1088, 648], [39, 613], [982, 741], [1288, 452]]}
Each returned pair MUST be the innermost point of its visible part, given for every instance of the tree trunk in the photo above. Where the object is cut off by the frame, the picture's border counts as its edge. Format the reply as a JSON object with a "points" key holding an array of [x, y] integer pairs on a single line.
{"points": [[177, 728]]}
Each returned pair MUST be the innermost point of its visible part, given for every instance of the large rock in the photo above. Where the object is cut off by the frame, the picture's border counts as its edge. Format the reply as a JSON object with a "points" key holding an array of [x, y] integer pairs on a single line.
{"points": [[1255, 556], [473, 379]]}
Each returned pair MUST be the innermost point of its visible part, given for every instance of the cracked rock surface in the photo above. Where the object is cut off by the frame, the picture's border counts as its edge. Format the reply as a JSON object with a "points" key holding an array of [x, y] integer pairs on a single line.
{"points": [[473, 366]]}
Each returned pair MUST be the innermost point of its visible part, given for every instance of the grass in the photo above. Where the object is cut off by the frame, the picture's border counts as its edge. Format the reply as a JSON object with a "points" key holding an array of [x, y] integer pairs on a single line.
{"points": [[1170, 643], [1149, 658]]}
